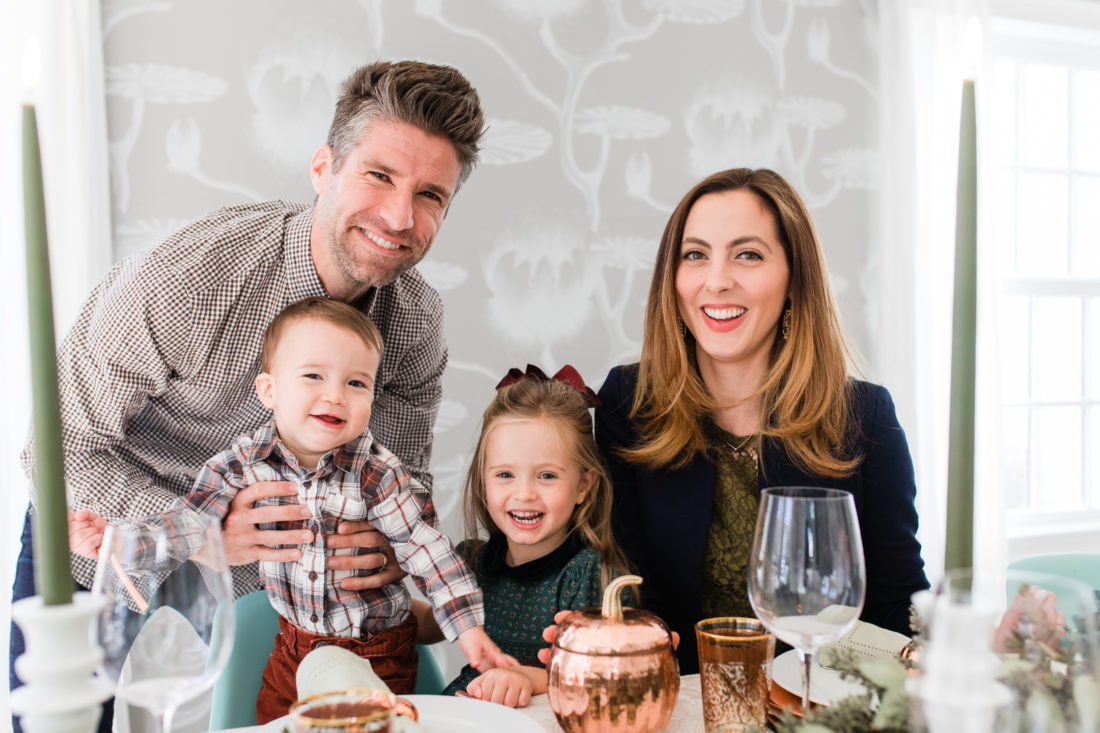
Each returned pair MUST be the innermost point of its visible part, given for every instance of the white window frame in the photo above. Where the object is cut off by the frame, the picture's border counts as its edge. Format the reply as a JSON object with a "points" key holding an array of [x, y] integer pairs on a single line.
{"points": [[1059, 32]]}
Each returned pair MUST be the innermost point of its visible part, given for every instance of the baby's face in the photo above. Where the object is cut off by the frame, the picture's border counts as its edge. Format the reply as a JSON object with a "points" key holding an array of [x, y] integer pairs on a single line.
{"points": [[320, 387]]}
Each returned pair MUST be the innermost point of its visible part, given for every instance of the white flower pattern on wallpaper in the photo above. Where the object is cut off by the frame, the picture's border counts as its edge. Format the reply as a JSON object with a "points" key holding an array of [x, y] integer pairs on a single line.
{"points": [[292, 92], [138, 234], [443, 275], [540, 283], [508, 142], [113, 12], [183, 144], [143, 84], [703, 12]]}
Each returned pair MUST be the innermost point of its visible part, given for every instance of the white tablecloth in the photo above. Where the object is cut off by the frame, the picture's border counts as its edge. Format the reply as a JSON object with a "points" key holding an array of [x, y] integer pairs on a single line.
{"points": [[686, 718]]}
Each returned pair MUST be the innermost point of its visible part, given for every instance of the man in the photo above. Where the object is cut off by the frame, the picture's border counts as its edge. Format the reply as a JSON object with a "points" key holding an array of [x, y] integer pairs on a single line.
{"points": [[157, 374]]}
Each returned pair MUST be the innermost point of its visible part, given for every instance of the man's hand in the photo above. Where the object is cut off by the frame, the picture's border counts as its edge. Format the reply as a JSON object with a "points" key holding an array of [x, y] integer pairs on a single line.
{"points": [[480, 650], [246, 543], [381, 560], [86, 533]]}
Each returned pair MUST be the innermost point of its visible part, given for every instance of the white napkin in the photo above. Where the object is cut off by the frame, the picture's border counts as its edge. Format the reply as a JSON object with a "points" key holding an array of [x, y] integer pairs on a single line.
{"points": [[868, 641], [165, 632], [330, 668]]}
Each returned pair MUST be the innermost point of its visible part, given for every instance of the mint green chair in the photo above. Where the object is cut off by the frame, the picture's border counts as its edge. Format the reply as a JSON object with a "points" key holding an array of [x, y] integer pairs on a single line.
{"points": [[234, 702], [1077, 568], [1080, 566]]}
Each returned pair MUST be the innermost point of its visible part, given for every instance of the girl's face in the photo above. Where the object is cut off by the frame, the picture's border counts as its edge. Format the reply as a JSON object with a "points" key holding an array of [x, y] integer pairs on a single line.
{"points": [[532, 484], [732, 280]]}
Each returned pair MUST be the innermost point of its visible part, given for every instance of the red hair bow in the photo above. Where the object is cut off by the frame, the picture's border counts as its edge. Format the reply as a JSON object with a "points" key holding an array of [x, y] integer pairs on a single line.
{"points": [[567, 375]]}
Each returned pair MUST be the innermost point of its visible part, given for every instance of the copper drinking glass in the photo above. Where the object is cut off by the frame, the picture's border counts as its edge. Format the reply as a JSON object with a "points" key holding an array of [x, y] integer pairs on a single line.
{"points": [[735, 667], [344, 711]]}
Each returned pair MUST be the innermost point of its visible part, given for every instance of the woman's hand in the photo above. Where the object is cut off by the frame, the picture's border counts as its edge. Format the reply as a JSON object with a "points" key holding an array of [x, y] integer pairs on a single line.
{"points": [[551, 632], [1037, 609]]}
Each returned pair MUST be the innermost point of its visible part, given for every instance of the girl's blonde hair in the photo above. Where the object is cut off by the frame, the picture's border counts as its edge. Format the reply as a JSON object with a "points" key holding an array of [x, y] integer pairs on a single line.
{"points": [[531, 398], [806, 394]]}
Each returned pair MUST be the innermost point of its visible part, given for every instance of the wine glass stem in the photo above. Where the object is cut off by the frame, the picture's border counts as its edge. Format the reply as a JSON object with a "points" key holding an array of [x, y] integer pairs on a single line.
{"points": [[165, 718], [807, 659]]}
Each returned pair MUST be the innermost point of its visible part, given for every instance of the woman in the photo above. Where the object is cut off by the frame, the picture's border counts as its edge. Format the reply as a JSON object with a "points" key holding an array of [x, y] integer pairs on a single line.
{"points": [[743, 384]]}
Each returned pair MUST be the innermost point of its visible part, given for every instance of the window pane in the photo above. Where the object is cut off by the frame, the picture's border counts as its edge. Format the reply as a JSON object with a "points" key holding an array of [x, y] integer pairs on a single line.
{"points": [[1056, 437], [1043, 115], [1056, 343], [1092, 356], [1041, 249], [1003, 109], [1086, 120], [1014, 443], [1015, 346], [1085, 257], [1094, 455]]}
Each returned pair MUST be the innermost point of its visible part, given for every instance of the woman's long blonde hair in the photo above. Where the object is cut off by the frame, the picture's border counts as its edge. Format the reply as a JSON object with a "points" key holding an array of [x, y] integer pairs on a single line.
{"points": [[531, 398], [806, 393]]}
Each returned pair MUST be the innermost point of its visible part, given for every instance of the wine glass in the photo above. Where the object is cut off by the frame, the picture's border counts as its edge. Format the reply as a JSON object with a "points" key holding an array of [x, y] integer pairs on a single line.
{"points": [[166, 628], [806, 573]]}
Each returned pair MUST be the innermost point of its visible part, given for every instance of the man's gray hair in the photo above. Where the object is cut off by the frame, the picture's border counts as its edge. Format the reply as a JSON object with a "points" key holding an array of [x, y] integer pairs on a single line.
{"points": [[438, 100]]}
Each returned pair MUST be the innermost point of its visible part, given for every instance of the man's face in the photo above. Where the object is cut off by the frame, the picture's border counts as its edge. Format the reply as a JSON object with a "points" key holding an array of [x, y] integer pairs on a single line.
{"points": [[377, 215]]}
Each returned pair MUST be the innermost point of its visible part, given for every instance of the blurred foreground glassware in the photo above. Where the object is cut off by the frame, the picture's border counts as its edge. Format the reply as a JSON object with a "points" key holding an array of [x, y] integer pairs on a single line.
{"points": [[344, 711], [166, 628], [1030, 667], [806, 574], [735, 667]]}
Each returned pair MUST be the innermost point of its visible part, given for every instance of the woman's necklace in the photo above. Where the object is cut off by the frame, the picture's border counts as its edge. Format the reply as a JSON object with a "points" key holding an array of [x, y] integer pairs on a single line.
{"points": [[740, 448]]}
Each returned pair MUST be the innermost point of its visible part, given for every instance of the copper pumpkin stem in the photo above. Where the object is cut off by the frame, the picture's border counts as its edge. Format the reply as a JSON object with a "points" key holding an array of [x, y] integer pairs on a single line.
{"points": [[612, 596]]}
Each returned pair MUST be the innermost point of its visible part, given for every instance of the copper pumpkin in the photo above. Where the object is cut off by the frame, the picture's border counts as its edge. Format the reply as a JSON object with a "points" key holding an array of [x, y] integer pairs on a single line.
{"points": [[613, 669]]}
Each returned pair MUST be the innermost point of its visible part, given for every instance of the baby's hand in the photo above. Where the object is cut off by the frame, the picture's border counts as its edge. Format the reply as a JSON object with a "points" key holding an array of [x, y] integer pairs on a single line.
{"points": [[481, 651], [504, 685], [86, 533]]}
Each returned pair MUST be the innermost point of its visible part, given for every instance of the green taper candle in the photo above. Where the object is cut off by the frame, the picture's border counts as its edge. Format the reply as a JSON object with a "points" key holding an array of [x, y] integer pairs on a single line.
{"points": [[959, 550], [53, 578]]}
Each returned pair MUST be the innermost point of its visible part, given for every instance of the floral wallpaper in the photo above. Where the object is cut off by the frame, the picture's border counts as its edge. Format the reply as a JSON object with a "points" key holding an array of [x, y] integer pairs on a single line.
{"points": [[602, 114]]}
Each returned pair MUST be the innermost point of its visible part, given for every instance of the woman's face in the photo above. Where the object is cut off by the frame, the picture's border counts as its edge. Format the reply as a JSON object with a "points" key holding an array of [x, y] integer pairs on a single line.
{"points": [[732, 280]]}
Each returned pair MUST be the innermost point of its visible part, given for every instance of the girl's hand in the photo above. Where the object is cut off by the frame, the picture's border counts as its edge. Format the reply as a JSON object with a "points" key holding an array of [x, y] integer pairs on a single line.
{"points": [[504, 685], [551, 632], [86, 533], [480, 650]]}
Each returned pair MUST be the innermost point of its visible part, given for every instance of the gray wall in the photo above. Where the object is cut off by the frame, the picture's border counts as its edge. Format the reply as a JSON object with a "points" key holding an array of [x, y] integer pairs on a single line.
{"points": [[603, 114]]}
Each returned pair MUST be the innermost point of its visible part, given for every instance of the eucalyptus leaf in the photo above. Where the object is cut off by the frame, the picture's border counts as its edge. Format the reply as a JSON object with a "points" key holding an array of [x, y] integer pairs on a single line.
{"points": [[886, 672]]}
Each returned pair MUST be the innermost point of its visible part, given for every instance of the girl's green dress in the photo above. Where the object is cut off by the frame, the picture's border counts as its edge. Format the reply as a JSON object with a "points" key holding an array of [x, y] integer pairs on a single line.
{"points": [[521, 601]]}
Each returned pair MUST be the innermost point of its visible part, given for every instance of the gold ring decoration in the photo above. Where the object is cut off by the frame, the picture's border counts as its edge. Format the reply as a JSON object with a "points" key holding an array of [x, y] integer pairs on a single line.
{"points": [[385, 562]]}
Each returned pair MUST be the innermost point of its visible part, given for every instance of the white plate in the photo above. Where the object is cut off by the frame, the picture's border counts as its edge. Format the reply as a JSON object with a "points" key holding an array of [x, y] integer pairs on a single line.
{"points": [[442, 714], [826, 685]]}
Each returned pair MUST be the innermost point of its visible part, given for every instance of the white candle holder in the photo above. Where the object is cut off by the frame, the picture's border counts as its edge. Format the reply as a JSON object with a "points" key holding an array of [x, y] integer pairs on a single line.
{"points": [[60, 694], [957, 689]]}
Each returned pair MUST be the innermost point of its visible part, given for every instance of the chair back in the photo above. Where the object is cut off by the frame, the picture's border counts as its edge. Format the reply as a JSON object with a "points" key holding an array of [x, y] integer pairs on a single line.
{"points": [[257, 624], [1080, 566]]}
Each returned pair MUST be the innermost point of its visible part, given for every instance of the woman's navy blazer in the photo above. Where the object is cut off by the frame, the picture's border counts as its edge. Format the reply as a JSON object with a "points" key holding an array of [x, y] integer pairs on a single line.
{"points": [[662, 517]]}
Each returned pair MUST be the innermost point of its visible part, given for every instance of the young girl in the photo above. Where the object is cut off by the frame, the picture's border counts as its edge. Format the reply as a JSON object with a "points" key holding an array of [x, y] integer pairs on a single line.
{"points": [[538, 488]]}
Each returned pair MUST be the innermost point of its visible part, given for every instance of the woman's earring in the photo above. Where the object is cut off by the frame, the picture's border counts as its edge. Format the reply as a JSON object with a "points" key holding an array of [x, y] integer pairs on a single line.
{"points": [[683, 328], [786, 323]]}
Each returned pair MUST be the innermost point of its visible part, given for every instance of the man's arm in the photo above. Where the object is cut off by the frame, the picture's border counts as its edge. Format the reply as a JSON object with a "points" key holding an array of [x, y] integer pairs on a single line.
{"points": [[113, 360]]}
